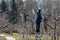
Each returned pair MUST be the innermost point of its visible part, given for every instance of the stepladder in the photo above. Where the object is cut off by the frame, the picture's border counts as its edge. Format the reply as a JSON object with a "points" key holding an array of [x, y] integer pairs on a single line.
{"points": [[24, 30], [37, 36]]}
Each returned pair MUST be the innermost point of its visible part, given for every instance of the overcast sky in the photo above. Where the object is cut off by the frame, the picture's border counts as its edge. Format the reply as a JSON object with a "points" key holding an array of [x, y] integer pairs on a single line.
{"points": [[0, 0]]}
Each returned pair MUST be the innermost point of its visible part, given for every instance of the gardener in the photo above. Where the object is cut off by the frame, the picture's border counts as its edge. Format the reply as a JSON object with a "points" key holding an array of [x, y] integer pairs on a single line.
{"points": [[25, 18], [38, 18]]}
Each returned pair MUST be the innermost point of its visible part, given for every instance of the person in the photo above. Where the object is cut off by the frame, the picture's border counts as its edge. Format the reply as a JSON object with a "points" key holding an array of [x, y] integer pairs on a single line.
{"points": [[38, 18], [45, 21], [25, 18]]}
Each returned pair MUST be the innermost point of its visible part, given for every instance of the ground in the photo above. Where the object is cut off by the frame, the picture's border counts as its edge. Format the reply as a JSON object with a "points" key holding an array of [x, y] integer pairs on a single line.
{"points": [[16, 36]]}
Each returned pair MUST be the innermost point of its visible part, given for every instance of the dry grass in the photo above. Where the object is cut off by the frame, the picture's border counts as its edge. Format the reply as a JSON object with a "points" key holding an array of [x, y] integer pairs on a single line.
{"points": [[30, 37], [2, 38]]}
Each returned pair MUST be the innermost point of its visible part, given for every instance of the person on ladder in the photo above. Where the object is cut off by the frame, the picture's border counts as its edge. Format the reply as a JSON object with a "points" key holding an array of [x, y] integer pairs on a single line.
{"points": [[38, 18], [25, 15]]}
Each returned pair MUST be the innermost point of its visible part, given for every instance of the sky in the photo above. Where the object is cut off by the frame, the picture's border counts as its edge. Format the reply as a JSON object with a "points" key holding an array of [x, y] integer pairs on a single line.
{"points": [[0, 0], [23, 0]]}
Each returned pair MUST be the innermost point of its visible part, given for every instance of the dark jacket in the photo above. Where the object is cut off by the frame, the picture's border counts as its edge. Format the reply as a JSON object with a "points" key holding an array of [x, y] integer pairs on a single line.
{"points": [[38, 17], [25, 17]]}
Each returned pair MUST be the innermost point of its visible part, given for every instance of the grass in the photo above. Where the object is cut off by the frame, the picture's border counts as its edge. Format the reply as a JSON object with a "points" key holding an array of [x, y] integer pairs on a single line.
{"points": [[30, 37], [22, 37], [2, 38]]}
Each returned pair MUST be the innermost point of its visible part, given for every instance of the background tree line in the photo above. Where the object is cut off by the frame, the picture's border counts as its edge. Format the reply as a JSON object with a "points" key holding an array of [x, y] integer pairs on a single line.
{"points": [[13, 9]]}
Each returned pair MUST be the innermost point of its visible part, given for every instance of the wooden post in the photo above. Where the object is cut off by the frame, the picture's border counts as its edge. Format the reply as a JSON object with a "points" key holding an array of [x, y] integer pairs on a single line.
{"points": [[52, 37], [58, 36], [55, 30]]}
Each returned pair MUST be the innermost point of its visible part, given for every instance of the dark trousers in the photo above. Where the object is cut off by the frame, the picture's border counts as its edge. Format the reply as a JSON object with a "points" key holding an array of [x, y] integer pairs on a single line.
{"points": [[37, 27]]}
